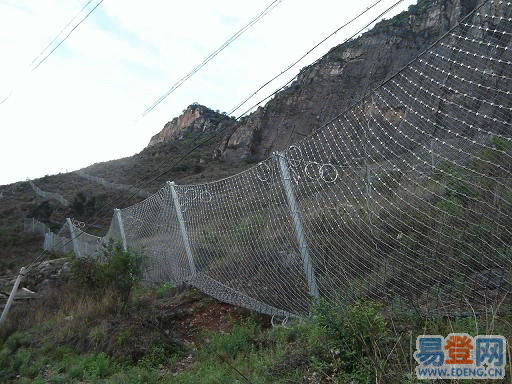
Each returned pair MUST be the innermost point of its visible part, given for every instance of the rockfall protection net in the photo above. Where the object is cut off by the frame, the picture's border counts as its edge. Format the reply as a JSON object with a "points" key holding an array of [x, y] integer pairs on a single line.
{"points": [[48, 195], [112, 186], [406, 197]]}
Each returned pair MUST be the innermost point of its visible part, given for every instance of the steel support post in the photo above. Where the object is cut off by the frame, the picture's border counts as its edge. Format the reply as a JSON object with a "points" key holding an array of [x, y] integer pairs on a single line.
{"points": [[297, 223], [183, 228], [73, 238], [121, 228]]}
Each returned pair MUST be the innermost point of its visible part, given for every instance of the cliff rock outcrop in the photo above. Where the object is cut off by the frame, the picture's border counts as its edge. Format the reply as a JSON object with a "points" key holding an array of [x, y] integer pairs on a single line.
{"points": [[328, 87], [195, 119]]}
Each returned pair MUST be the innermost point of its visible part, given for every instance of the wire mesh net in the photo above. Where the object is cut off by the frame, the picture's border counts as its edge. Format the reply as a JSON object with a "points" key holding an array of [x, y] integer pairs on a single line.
{"points": [[407, 196]]}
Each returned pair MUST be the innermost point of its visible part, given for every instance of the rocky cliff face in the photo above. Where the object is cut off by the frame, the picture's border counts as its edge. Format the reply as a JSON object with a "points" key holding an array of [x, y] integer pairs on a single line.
{"points": [[328, 87], [195, 119]]}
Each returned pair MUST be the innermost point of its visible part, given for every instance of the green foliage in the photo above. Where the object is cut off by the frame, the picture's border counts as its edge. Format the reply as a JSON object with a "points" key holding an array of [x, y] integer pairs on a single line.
{"points": [[353, 335], [458, 189], [250, 226], [42, 211], [160, 354], [188, 167], [9, 236], [121, 271], [191, 136], [123, 336], [196, 154], [251, 159], [442, 169], [496, 160], [449, 205], [162, 290], [507, 200], [83, 205], [240, 339]]}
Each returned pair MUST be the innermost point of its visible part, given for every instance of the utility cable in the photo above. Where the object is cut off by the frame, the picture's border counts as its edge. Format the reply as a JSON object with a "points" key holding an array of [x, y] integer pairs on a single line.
{"points": [[61, 32], [218, 133], [35, 66], [292, 79], [67, 35], [176, 85], [306, 54]]}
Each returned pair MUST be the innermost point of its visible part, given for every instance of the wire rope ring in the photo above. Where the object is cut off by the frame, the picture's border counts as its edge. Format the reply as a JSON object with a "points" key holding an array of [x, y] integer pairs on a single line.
{"points": [[187, 194], [265, 169], [283, 322], [208, 198], [294, 156], [328, 173], [310, 173], [78, 224]]}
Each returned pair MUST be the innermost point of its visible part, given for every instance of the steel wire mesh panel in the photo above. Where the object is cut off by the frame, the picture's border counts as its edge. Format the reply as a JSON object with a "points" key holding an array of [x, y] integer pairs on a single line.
{"points": [[406, 197], [150, 229], [88, 246], [241, 236]]}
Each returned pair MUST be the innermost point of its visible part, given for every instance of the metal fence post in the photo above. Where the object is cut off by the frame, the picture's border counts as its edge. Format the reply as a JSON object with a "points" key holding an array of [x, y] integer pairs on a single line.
{"points": [[121, 228], [309, 270], [73, 238], [11, 296], [46, 244], [183, 229]]}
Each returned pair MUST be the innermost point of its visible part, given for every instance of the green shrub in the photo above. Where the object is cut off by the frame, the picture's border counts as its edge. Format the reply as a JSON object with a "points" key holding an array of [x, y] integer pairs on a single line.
{"points": [[352, 338], [163, 289], [191, 136], [241, 338], [188, 167], [251, 159], [120, 272]]}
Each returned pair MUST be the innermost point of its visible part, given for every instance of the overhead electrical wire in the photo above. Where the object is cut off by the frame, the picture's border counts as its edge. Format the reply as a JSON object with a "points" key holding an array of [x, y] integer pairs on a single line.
{"points": [[181, 156], [61, 32], [36, 62], [292, 79], [306, 54], [68, 34], [176, 85]]}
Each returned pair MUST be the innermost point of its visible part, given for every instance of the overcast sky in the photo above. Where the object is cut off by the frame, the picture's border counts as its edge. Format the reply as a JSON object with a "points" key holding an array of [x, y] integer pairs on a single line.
{"points": [[82, 105]]}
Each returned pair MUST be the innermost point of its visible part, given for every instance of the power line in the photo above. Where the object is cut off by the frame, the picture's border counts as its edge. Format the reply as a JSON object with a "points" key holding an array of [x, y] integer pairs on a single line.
{"points": [[292, 79], [181, 156], [210, 57], [61, 32], [307, 53], [216, 134], [69, 33], [35, 60]]}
